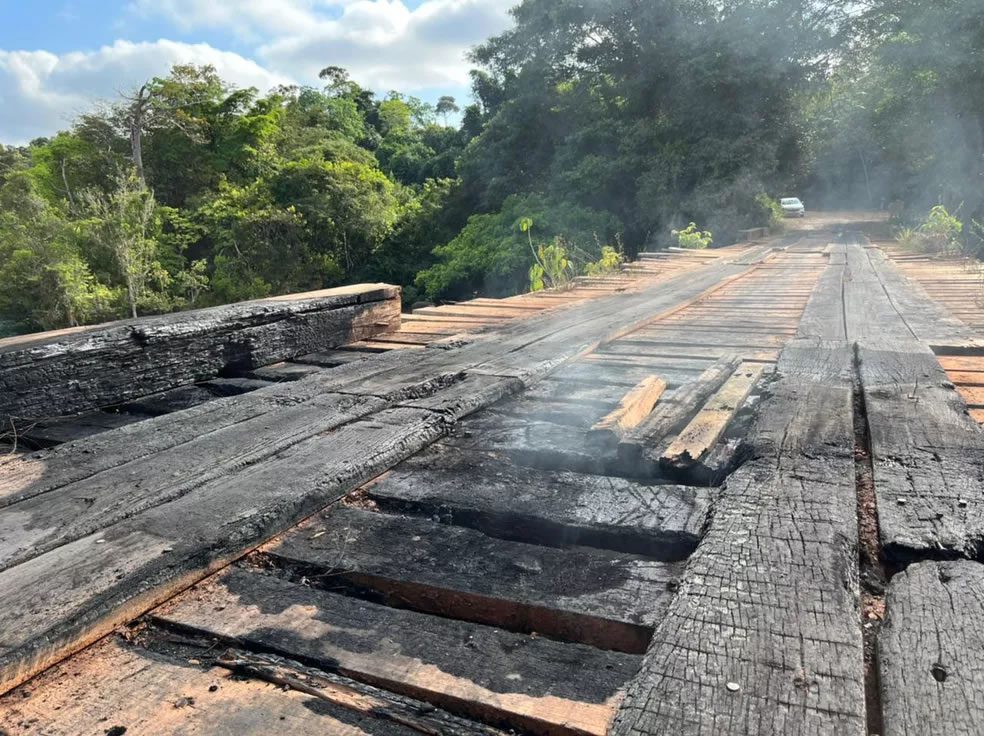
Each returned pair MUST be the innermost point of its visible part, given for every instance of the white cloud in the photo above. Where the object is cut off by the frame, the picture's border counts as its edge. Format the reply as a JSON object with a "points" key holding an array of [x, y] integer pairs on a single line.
{"points": [[41, 92], [250, 19], [385, 44]]}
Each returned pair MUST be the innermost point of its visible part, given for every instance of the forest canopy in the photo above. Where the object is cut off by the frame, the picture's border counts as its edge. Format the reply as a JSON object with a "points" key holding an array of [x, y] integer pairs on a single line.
{"points": [[602, 125]]}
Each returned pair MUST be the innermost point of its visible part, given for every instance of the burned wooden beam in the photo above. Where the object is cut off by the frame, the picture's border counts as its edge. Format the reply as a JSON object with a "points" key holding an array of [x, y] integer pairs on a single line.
{"points": [[70, 371], [706, 428], [608, 600], [634, 407]]}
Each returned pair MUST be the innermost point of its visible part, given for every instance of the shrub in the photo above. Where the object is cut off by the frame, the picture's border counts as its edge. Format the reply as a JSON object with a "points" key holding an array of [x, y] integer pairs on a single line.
{"points": [[910, 239], [939, 233], [692, 237], [553, 268], [609, 264], [773, 211]]}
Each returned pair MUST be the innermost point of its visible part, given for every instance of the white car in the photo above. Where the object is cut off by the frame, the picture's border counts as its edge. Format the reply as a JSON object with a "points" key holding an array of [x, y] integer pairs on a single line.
{"points": [[792, 207]]}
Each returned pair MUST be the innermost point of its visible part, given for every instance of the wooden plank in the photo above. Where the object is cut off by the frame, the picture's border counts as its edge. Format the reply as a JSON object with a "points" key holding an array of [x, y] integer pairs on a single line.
{"points": [[43, 521], [929, 650], [330, 358], [502, 678], [143, 559], [47, 471], [535, 443], [704, 430], [278, 372], [58, 431], [605, 599], [961, 362], [119, 688], [169, 401], [234, 386], [967, 378], [972, 395], [634, 407], [927, 454], [486, 492], [44, 376]]}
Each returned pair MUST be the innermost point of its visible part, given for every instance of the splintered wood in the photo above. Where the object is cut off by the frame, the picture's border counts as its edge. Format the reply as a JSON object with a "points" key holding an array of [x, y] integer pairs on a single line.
{"points": [[634, 407], [714, 417]]}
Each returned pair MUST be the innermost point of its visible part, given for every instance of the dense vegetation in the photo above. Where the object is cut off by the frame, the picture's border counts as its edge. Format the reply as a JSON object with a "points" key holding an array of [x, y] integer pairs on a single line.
{"points": [[596, 127]]}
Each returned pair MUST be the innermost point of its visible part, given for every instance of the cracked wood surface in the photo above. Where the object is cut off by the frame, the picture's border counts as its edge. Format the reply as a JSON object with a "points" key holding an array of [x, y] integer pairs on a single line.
{"points": [[503, 678], [488, 493], [927, 453], [52, 374], [606, 599], [764, 635], [929, 650]]}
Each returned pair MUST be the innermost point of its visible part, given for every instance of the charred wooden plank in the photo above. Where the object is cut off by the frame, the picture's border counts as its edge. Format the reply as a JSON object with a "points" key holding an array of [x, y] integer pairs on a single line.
{"points": [[927, 453], [48, 433], [553, 508], [44, 376], [536, 443], [284, 371], [605, 599], [330, 358], [233, 386], [166, 402], [929, 648], [499, 677], [140, 561], [47, 520], [117, 688]]}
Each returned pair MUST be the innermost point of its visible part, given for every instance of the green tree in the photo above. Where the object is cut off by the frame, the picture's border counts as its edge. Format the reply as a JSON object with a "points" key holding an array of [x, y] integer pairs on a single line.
{"points": [[123, 220]]}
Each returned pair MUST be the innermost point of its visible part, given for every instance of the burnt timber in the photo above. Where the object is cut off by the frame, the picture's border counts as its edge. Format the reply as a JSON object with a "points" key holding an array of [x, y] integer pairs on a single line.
{"points": [[734, 492], [53, 374]]}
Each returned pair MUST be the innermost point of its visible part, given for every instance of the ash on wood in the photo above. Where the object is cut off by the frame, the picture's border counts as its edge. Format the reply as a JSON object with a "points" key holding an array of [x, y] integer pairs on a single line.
{"points": [[53, 374], [558, 508]]}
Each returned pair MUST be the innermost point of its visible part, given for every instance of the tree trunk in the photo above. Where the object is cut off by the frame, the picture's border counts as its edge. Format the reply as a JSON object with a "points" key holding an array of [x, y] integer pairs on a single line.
{"points": [[136, 132], [68, 189]]}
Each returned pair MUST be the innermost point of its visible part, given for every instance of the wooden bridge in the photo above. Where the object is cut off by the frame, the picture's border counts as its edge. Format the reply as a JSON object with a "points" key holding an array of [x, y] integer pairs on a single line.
{"points": [[733, 492]]}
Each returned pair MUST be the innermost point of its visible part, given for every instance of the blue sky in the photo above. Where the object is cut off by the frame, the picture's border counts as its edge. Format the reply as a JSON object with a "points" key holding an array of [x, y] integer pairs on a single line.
{"points": [[58, 58]]}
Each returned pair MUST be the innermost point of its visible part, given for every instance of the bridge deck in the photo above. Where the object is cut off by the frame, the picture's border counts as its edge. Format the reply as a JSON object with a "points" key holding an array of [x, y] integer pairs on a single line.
{"points": [[435, 537]]}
